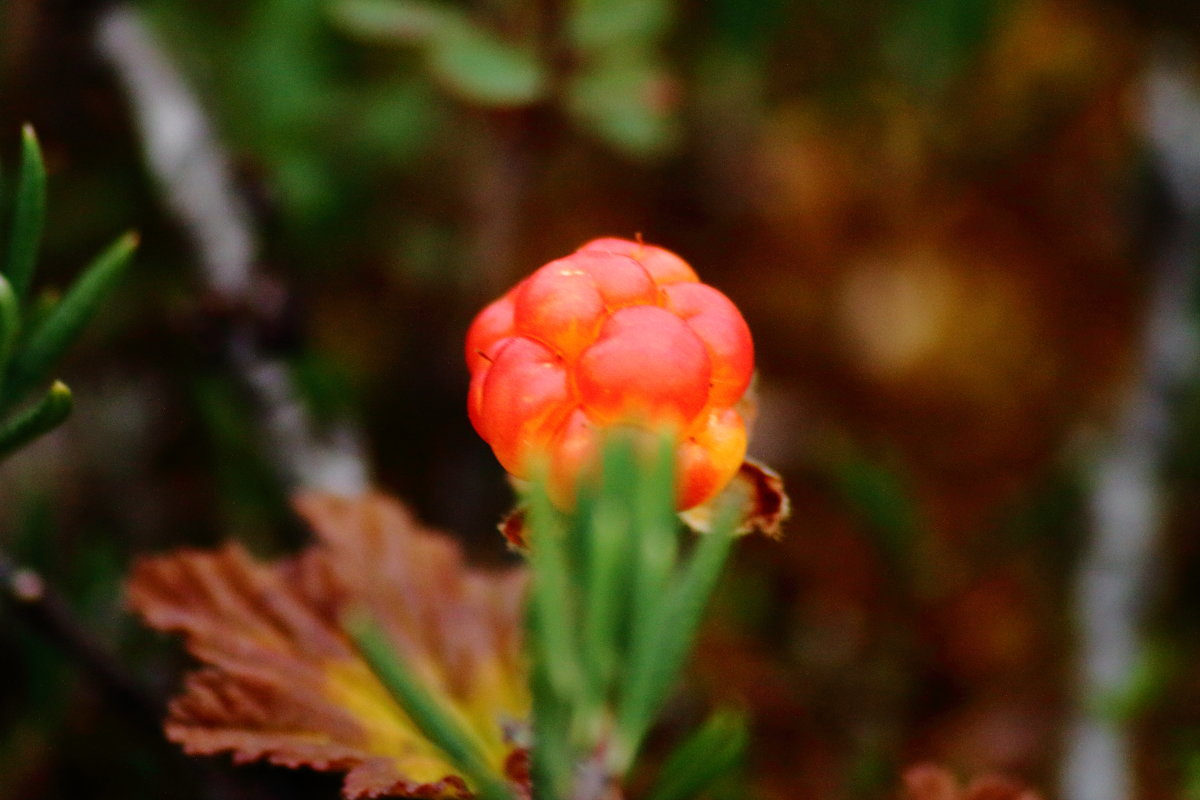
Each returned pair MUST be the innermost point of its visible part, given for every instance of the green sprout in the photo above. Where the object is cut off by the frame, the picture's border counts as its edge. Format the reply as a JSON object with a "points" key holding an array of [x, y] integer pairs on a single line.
{"points": [[35, 334], [617, 596]]}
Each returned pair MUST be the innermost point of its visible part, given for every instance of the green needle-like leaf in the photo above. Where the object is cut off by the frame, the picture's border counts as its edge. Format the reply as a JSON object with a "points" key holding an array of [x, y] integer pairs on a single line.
{"points": [[551, 759], [10, 326], [437, 724], [606, 529], [657, 539], [553, 597], [63, 324], [43, 417], [558, 686], [28, 216], [705, 756], [656, 661]]}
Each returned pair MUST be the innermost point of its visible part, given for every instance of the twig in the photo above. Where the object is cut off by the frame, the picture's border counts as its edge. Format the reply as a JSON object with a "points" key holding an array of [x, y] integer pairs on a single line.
{"points": [[1126, 503], [39, 605], [196, 180]]}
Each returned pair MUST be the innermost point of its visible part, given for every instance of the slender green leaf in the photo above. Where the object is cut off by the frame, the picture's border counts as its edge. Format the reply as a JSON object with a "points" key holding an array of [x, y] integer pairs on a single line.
{"points": [[706, 755], [42, 417], [49, 340], [435, 722], [657, 540], [484, 69], [28, 216], [606, 531], [10, 326], [558, 685], [555, 635], [656, 661], [37, 310], [551, 759]]}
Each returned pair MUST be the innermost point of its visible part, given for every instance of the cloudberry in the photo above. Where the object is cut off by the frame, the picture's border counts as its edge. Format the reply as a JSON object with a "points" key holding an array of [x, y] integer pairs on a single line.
{"points": [[618, 332]]}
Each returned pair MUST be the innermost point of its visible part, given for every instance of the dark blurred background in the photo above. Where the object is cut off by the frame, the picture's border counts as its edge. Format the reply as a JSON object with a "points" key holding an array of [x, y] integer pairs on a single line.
{"points": [[943, 219]]}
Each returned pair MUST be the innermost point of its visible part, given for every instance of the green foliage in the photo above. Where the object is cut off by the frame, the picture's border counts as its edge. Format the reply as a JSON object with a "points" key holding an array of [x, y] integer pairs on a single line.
{"points": [[42, 417], [285, 95], [658, 654], [1146, 685], [10, 322], [470, 61], [614, 607], [485, 69], [878, 494], [28, 216], [617, 88], [389, 20], [47, 341], [616, 98], [613, 614], [437, 724], [932, 41], [706, 755], [1191, 776], [33, 335], [598, 26]]}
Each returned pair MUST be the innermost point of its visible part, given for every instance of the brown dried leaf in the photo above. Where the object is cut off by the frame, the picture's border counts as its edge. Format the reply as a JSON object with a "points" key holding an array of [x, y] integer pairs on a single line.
{"points": [[284, 684], [767, 505], [931, 782]]}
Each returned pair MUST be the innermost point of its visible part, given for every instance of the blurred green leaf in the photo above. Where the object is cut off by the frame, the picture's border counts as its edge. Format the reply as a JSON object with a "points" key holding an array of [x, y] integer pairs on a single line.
{"points": [[626, 101], [1190, 789], [879, 495], [553, 596], [595, 25], [606, 535], [481, 68], [747, 26], [47, 342], [394, 21], [704, 757], [42, 417], [10, 327], [253, 501], [28, 216], [656, 543], [1145, 685], [393, 120], [658, 655], [437, 723], [551, 758], [932, 41]]}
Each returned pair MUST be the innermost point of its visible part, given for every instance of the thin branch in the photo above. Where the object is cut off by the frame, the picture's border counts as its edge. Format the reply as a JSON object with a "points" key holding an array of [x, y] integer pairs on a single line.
{"points": [[39, 605], [195, 177], [1126, 503]]}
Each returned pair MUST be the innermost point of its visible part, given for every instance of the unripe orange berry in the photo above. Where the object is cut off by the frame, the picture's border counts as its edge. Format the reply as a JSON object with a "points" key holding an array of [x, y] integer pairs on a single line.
{"points": [[617, 333]]}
